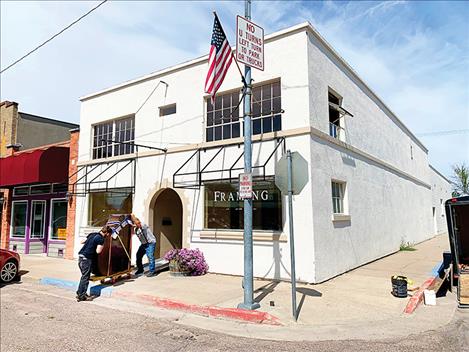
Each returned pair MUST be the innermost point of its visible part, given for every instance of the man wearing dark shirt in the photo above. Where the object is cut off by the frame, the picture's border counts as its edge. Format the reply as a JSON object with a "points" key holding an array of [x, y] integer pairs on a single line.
{"points": [[92, 246]]}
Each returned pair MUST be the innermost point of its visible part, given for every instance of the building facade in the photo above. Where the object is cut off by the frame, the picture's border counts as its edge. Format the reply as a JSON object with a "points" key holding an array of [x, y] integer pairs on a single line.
{"points": [[33, 180], [369, 181]]}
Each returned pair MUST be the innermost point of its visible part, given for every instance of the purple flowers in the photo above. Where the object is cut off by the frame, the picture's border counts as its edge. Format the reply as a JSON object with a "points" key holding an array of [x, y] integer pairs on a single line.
{"points": [[191, 260]]}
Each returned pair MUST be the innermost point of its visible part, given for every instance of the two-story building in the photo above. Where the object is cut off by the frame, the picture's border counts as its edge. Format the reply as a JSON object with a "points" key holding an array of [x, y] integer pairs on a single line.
{"points": [[370, 186]]}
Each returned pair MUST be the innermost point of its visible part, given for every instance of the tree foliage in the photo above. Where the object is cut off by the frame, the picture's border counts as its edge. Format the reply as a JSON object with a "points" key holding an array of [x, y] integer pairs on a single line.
{"points": [[460, 180]]}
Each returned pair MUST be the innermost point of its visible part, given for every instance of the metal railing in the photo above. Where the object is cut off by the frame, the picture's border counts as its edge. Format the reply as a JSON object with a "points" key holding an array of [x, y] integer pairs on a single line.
{"points": [[336, 131]]}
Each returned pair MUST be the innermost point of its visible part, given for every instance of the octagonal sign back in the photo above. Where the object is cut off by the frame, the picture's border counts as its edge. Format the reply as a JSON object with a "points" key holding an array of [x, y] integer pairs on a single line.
{"points": [[299, 173]]}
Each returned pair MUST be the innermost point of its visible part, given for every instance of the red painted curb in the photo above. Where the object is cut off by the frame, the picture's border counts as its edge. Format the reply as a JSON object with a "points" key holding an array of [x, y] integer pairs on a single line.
{"points": [[251, 316], [415, 300]]}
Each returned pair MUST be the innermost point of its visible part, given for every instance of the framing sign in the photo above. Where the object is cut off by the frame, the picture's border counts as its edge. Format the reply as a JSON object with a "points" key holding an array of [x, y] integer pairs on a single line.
{"points": [[249, 43]]}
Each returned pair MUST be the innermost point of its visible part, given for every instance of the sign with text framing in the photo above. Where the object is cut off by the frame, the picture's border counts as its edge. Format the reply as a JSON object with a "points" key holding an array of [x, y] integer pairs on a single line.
{"points": [[249, 43], [245, 186]]}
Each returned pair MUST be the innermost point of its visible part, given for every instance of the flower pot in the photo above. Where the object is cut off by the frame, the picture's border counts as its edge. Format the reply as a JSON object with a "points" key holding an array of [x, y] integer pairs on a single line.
{"points": [[176, 270]]}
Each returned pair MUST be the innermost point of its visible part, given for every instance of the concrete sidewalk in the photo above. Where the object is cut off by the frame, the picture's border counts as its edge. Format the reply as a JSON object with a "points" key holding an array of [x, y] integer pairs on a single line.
{"points": [[356, 302]]}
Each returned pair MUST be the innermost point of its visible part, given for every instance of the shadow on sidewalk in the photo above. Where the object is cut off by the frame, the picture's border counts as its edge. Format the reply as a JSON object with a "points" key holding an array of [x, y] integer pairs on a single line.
{"points": [[265, 290], [305, 292]]}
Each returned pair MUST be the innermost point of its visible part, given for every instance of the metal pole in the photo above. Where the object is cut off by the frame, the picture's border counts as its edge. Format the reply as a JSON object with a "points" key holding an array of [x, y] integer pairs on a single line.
{"points": [[292, 242], [248, 247]]}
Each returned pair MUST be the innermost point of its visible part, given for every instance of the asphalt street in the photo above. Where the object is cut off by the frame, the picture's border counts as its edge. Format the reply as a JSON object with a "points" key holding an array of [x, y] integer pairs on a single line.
{"points": [[39, 318]]}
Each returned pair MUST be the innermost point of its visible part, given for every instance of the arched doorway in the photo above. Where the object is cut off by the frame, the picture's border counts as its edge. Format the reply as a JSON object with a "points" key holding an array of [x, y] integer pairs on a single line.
{"points": [[167, 222]]}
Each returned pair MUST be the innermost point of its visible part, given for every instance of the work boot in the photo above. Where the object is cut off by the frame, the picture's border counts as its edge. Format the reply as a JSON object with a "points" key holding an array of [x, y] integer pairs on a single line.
{"points": [[138, 272], [84, 297]]}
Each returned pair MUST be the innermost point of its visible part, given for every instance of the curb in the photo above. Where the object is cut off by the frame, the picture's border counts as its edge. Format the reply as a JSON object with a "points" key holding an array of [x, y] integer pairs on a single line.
{"points": [[250, 316], [417, 298]]}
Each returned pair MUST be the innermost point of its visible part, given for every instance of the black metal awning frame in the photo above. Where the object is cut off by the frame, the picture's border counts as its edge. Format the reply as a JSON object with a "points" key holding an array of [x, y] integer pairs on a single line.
{"points": [[83, 180], [195, 184]]}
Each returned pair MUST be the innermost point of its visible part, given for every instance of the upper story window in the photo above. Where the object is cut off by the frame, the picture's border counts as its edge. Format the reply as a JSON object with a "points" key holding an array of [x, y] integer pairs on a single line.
{"points": [[223, 119], [336, 115], [167, 109], [113, 138]]}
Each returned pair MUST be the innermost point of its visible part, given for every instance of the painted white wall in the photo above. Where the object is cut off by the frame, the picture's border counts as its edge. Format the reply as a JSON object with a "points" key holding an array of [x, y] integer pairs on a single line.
{"points": [[441, 192], [389, 190]]}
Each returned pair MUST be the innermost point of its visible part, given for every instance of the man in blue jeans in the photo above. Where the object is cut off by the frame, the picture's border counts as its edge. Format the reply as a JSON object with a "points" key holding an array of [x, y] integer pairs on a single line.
{"points": [[87, 256], [147, 246]]}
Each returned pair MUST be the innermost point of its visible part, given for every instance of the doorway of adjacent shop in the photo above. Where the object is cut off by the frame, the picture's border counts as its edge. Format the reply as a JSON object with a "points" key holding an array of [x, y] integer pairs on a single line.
{"points": [[167, 221]]}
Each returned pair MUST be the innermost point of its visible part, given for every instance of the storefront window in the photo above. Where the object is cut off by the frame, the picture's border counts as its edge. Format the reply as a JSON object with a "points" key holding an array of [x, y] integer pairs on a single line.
{"points": [[18, 219], [224, 210], [103, 204], [59, 219]]}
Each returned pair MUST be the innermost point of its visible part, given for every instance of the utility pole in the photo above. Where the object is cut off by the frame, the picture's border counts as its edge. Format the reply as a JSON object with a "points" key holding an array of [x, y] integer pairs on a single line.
{"points": [[248, 246]]}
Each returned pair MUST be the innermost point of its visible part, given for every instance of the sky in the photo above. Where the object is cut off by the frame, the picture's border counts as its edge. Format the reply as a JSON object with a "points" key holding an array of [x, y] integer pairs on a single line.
{"points": [[413, 54]]}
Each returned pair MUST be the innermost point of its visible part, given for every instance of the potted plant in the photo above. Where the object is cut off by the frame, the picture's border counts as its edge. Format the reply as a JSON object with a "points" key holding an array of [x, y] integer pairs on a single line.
{"points": [[186, 262]]}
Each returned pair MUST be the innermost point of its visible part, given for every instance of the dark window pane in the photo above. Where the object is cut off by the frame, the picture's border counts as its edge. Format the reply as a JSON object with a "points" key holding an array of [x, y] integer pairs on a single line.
{"points": [[256, 94], [256, 109], [226, 116], [276, 89], [210, 118], [218, 102], [235, 99], [226, 101], [218, 133], [266, 93], [209, 105], [277, 123], [226, 131], [276, 105], [41, 189], [209, 134], [256, 126], [217, 120], [267, 124], [235, 130], [266, 107]]}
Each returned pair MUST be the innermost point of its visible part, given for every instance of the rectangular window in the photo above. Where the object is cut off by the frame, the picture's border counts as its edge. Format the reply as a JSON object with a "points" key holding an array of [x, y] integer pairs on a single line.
{"points": [[103, 204], [224, 210], [222, 118], [338, 191], [40, 189], [18, 219], [21, 191], [335, 129], [114, 138], [38, 213], [167, 110], [59, 188], [58, 222], [266, 108]]}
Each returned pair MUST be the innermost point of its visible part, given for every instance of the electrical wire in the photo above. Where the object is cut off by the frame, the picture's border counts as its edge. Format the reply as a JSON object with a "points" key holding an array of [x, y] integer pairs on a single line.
{"points": [[54, 36]]}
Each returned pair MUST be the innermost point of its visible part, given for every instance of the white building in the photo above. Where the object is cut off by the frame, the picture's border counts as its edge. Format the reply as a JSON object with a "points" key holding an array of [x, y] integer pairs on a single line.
{"points": [[370, 184]]}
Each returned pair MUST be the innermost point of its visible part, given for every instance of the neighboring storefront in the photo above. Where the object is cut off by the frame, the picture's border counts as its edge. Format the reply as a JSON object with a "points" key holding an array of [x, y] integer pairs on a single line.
{"points": [[37, 180]]}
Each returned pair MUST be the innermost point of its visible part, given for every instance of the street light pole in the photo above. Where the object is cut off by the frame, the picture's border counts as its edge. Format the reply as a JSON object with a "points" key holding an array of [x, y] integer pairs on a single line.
{"points": [[248, 246]]}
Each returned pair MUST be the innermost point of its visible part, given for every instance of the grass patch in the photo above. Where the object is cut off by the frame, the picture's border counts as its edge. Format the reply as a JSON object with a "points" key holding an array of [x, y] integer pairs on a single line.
{"points": [[407, 246]]}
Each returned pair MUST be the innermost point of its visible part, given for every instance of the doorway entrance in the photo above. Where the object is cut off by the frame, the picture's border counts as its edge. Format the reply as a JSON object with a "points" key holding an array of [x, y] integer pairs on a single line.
{"points": [[167, 222]]}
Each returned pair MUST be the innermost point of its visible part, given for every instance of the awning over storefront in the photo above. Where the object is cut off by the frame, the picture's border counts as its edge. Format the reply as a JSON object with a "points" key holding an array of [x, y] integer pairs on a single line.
{"points": [[220, 166], [45, 165]]}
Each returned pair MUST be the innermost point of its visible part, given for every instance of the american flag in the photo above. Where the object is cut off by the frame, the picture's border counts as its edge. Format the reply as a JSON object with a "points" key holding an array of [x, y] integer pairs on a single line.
{"points": [[219, 59]]}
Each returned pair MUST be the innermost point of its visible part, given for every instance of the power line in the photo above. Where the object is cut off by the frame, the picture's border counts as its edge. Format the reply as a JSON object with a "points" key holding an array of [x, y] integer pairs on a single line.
{"points": [[55, 35], [441, 133]]}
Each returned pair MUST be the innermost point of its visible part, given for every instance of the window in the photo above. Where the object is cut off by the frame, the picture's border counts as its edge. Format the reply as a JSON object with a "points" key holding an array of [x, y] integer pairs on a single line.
{"points": [[59, 188], [38, 213], [223, 119], [266, 108], [103, 204], [40, 189], [18, 219], [224, 210], [21, 191], [335, 130], [338, 191], [58, 222], [167, 110], [121, 132]]}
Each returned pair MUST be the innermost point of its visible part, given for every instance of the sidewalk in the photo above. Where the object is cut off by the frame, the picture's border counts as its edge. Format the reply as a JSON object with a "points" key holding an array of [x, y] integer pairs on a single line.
{"points": [[356, 303]]}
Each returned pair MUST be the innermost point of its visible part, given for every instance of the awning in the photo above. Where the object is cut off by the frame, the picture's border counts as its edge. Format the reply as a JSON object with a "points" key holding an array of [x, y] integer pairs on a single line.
{"points": [[45, 165]]}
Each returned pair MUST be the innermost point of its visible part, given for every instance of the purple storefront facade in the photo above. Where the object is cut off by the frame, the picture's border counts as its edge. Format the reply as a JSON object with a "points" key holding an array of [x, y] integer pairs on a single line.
{"points": [[37, 181]]}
